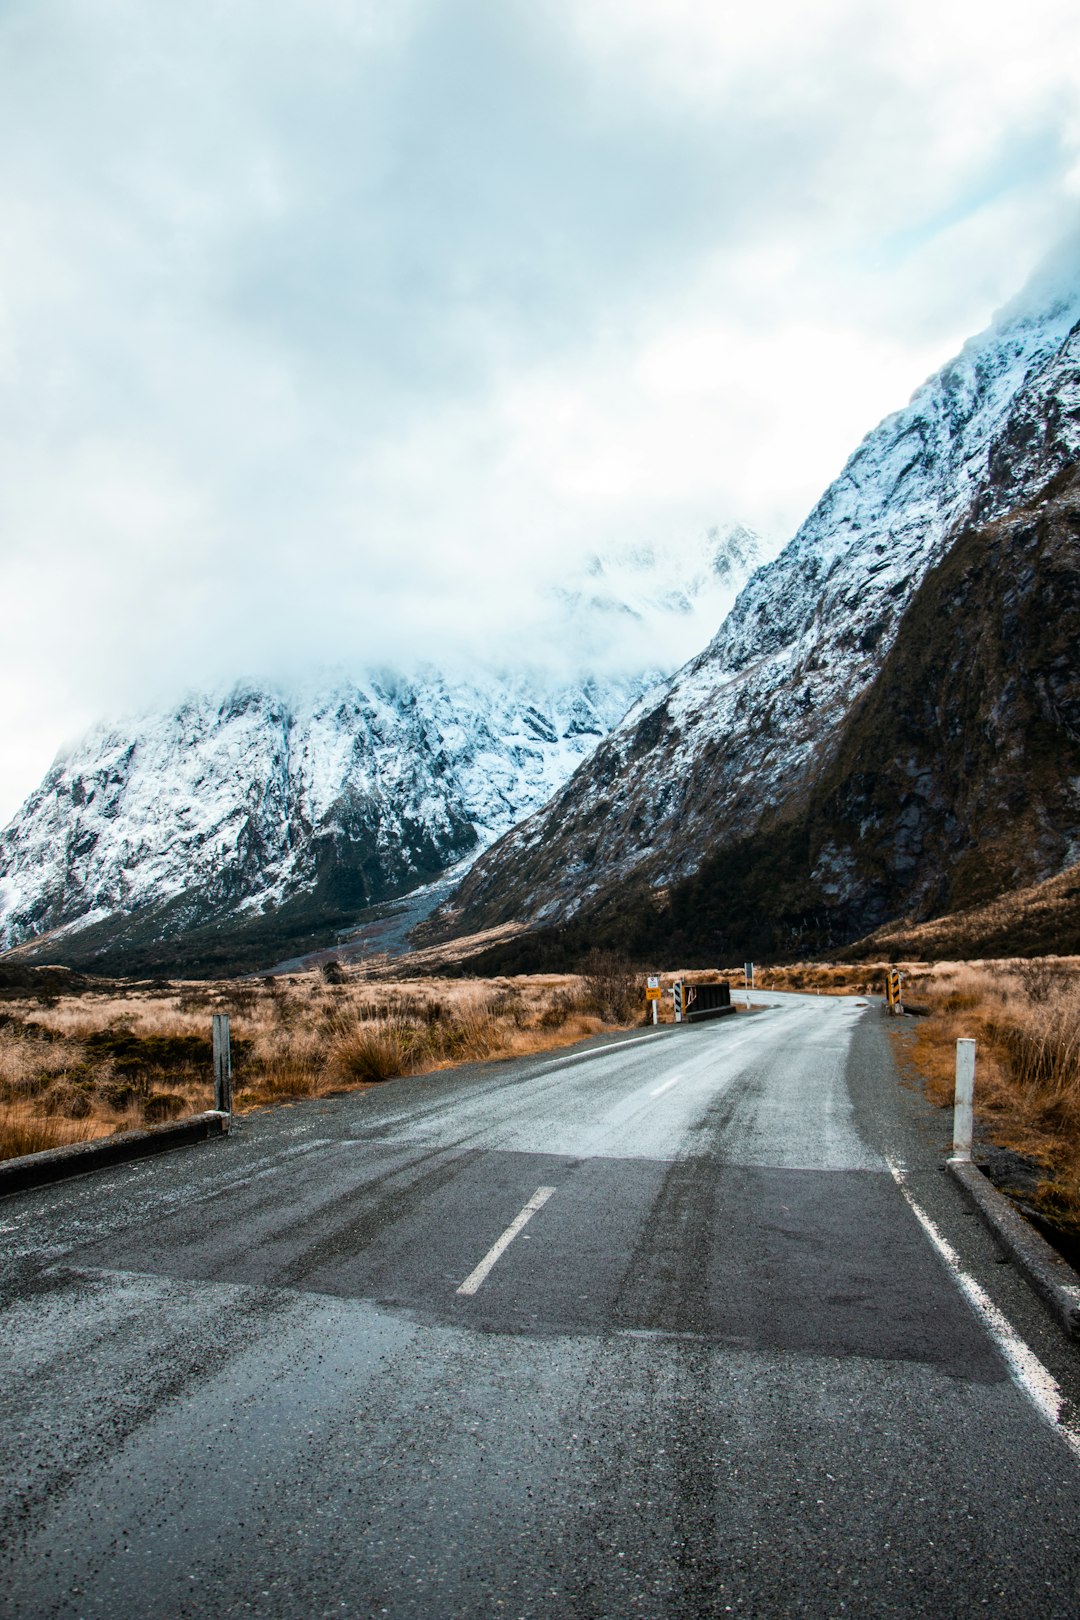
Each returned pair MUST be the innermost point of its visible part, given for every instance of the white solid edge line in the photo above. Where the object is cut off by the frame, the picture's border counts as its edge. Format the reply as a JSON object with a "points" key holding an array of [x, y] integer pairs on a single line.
{"points": [[1037, 1382], [475, 1278], [667, 1085]]}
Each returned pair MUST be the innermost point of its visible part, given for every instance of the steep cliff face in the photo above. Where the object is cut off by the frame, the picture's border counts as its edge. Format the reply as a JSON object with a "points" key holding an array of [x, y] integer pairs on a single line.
{"points": [[747, 725], [953, 780]]}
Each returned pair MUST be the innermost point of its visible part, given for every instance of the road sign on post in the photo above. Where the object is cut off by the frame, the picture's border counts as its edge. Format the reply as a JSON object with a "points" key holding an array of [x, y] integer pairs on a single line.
{"points": [[222, 1065], [893, 990], [748, 974], [677, 994], [652, 993]]}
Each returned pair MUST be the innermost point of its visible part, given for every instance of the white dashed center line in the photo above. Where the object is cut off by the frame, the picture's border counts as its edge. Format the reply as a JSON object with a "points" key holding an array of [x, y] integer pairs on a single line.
{"points": [[475, 1278], [667, 1085]]}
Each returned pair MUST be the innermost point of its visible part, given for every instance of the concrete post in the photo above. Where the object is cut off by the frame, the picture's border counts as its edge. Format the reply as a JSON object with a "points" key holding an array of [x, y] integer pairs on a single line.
{"points": [[222, 1065], [963, 1110]]}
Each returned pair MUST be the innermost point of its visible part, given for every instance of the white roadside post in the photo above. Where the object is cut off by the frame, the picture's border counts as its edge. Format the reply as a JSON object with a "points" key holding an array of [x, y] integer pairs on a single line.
{"points": [[222, 1065], [963, 1107], [677, 997]]}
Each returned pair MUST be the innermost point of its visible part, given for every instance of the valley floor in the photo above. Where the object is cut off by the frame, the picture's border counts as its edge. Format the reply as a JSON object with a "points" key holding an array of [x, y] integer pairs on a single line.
{"points": [[81, 1059], [78, 1063]]}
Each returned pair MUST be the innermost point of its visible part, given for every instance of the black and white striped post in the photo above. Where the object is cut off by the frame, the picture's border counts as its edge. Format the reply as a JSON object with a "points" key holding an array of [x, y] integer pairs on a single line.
{"points": [[222, 1065]]}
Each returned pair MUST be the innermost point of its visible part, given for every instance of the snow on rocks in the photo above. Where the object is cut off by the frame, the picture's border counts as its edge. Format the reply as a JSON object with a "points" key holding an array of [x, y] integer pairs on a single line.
{"points": [[736, 730], [238, 799]]}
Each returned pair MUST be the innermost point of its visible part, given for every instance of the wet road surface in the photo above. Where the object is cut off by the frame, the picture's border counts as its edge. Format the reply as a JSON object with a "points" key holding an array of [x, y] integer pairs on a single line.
{"points": [[713, 1364]]}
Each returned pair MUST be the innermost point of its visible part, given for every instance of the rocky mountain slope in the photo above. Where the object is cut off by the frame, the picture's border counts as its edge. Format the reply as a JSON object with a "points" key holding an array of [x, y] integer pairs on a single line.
{"points": [[742, 733], [250, 822], [954, 781]]}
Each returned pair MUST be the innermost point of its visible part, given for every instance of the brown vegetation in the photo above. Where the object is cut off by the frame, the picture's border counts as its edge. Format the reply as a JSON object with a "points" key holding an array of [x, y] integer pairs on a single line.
{"points": [[1020, 922], [24, 1130], [824, 978], [111, 1057], [1025, 1016]]}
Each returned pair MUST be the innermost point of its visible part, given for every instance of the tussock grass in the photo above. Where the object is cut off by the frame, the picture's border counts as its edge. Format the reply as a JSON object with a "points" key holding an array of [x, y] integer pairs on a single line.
{"points": [[377, 1050], [1025, 1017], [828, 978], [25, 1130], [115, 1058], [610, 988]]}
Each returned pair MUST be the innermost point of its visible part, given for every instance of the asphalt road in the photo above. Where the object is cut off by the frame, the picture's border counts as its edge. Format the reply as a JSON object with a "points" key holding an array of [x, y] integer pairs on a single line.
{"points": [[720, 1367]]}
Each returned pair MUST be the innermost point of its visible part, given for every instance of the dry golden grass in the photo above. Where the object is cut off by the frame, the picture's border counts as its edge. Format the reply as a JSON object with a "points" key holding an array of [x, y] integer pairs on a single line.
{"points": [[1025, 1017], [111, 1059], [1034, 918], [826, 978], [25, 1130]]}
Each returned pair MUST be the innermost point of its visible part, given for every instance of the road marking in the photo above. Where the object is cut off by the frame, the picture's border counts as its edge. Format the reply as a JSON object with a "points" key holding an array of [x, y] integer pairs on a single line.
{"points": [[667, 1085], [1038, 1383], [611, 1046], [475, 1278]]}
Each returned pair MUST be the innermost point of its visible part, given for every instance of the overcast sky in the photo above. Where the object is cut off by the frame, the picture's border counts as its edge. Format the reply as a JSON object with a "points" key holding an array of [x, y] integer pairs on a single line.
{"points": [[330, 331]]}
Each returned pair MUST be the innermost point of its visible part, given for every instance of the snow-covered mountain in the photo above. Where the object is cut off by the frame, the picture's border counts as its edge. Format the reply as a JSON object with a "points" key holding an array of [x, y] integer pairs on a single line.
{"points": [[741, 729], [248, 807], [241, 797]]}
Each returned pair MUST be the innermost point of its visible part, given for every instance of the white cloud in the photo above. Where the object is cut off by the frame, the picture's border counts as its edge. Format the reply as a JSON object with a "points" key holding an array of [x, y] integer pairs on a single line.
{"points": [[335, 330]]}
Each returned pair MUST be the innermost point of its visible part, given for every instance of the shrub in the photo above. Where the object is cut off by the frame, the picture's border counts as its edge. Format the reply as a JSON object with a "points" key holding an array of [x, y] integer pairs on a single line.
{"points": [[72, 1101], [510, 1004], [1039, 980], [559, 1010], [124, 1094], [611, 988], [376, 1051]]}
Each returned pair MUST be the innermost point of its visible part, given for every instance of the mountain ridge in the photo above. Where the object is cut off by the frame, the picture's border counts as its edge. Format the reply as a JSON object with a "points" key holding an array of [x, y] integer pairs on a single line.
{"points": [[953, 791], [745, 724], [253, 822]]}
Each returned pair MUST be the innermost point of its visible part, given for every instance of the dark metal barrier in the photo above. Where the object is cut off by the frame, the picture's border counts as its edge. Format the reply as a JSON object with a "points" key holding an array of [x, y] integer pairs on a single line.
{"points": [[702, 1001]]}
